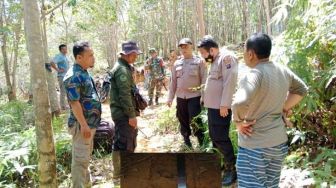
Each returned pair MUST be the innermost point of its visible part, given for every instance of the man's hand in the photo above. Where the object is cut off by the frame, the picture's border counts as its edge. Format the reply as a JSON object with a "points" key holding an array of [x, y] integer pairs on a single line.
{"points": [[169, 103], [245, 128], [133, 122], [85, 131], [60, 70], [285, 118], [223, 111]]}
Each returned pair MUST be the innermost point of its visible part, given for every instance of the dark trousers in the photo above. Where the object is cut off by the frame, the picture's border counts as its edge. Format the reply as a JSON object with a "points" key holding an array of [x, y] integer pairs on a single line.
{"points": [[219, 128], [125, 136], [187, 109]]}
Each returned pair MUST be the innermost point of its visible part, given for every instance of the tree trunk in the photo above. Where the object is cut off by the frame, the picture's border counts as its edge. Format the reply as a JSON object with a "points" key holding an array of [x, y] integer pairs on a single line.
{"points": [[246, 22], [17, 39], [11, 95], [199, 5], [65, 25], [268, 17], [53, 97], [43, 127], [260, 18], [173, 26]]}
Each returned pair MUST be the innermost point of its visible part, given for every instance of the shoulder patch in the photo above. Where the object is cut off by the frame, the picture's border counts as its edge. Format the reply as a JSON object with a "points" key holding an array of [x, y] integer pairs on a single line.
{"points": [[123, 78]]}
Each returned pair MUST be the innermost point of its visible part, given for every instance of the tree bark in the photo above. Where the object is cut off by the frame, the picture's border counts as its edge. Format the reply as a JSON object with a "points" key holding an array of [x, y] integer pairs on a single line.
{"points": [[268, 17], [201, 25], [260, 17], [17, 39], [53, 97], [43, 127], [11, 95], [246, 22]]}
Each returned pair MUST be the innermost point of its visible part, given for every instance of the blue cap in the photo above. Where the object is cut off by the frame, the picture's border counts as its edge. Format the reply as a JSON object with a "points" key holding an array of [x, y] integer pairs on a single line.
{"points": [[130, 47]]}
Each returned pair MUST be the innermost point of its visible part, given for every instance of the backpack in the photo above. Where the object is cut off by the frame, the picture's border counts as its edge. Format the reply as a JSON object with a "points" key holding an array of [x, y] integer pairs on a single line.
{"points": [[103, 138]]}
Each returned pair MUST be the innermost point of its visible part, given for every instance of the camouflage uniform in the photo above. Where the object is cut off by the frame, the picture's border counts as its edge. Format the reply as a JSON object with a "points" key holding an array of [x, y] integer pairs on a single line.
{"points": [[79, 87], [156, 73]]}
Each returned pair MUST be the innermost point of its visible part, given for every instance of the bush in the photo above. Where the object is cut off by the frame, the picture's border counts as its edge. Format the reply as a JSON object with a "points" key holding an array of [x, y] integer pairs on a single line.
{"points": [[309, 50], [18, 152]]}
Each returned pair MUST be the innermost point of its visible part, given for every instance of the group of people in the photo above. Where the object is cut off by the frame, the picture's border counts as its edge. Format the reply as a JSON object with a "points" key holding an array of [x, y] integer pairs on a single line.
{"points": [[256, 104]]}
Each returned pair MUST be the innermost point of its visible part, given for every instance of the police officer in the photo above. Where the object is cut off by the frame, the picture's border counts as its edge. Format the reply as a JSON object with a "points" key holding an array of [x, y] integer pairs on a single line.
{"points": [[85, 112], [155, 66], [122, 103], [219, 89], [188, 75]]}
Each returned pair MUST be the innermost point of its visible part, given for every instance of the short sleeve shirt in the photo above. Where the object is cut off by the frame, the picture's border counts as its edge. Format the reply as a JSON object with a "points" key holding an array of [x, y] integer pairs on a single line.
{"points": [[79, 86], [62, 62]]}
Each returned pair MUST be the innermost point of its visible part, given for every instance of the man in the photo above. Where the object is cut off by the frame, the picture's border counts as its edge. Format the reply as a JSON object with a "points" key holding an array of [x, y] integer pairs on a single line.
{"points": [[268, 91], [155, 66], [85, 112], [61, 64], [122, 103], [188, 75], [172, 58], [218, 93]]}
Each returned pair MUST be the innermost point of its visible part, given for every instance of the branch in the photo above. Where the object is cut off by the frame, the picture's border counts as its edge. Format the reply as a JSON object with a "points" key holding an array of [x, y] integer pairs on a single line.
{"points": [[50, 11]]}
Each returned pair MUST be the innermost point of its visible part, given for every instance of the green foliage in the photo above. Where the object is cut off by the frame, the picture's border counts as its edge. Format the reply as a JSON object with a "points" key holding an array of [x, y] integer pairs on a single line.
{"points": [[168, 123], [310, 46], [18, 152], [17, 144], [320, 163], [16, 116], [309, 50], [208, 147]]}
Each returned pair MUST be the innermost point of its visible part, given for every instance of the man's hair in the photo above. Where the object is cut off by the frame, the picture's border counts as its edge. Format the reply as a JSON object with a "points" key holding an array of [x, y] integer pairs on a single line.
{"points": [[207, 43], [261, 44], [79, 48], [170, 51], [61, 46]]}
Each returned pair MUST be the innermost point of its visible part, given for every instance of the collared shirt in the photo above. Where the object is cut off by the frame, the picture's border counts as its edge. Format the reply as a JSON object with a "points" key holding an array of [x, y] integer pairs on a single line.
{"points": [[260, 96], [221, 82], [188, 76], [62, 62], [79, 86]]}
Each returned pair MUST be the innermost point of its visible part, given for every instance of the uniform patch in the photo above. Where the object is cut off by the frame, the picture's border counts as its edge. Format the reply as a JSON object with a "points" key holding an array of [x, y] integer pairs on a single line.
{"points": [[123, 78]]}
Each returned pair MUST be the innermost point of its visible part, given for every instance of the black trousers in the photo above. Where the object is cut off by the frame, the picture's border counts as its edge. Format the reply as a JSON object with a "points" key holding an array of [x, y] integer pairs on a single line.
{"points": [[187, 109], [219, 128], [125, 136]]}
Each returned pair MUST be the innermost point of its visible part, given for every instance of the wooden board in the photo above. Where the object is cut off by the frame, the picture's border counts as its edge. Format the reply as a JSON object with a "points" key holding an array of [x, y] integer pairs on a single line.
{"points": [[162, 170]]}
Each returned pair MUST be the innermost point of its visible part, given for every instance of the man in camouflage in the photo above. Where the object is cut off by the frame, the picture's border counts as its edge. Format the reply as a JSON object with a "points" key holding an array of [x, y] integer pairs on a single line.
{"points": [[155, 66], [85, 112]]}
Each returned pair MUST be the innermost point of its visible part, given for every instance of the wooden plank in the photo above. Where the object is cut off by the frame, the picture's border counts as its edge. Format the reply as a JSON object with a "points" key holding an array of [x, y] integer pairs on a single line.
{"points": [[160, 170]]}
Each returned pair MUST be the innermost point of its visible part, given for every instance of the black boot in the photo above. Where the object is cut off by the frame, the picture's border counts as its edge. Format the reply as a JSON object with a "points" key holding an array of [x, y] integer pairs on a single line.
{"points": [[187, 142], [157, 100], [150, 102], [230, 174], [200, 139]]}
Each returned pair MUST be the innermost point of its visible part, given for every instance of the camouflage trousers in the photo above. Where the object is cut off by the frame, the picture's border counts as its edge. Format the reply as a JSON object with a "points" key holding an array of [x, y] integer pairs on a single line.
{"points": [[81, 156], [157, 85]]}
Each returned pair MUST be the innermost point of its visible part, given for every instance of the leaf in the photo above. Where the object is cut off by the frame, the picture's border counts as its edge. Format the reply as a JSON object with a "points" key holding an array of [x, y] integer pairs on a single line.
{"points": [[295, 139]]}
